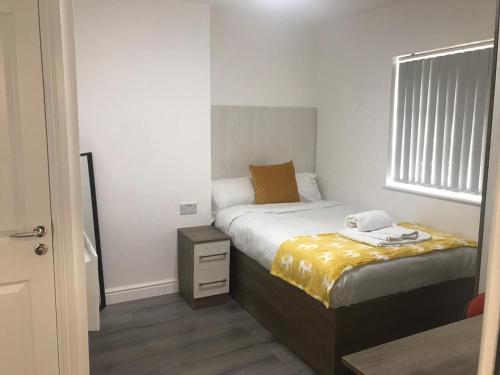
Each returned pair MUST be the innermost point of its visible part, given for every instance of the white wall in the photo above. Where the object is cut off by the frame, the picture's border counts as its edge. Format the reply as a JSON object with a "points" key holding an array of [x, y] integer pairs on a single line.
{"points": [[493, 188], [262, 60], [144, 105], [354, 84]]}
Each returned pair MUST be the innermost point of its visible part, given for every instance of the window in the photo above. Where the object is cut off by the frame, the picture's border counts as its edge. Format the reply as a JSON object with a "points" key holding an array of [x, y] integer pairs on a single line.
{"points": [[439, 119]]}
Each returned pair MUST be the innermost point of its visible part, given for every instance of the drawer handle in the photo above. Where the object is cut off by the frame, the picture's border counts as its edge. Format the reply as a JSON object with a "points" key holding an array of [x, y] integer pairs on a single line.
{"points": [[213, 282], [212, 255]]}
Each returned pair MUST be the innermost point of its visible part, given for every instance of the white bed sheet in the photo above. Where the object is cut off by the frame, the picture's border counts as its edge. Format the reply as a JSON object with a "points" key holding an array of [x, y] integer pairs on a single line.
{"points": [[258, 231]]}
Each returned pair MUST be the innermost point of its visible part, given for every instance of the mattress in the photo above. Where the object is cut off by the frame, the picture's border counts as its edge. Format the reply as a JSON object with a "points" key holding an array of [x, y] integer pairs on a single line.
{"points": [[258, 231]]}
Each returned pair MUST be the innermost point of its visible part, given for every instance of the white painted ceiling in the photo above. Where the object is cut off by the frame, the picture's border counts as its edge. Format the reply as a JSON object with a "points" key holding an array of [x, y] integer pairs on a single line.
{"points": [[311, 11]]}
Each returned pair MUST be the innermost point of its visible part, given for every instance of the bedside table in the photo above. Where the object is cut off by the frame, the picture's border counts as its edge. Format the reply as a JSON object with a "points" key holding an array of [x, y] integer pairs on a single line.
{"points": [[203, 265]]}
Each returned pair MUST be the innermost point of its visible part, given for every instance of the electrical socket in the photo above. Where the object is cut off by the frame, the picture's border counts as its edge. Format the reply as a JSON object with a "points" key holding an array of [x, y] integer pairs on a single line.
{"points": [[188, 208]]}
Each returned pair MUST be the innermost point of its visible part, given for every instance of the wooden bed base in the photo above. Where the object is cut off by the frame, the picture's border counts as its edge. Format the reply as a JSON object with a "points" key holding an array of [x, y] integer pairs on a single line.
{"points": [[322, 336]]}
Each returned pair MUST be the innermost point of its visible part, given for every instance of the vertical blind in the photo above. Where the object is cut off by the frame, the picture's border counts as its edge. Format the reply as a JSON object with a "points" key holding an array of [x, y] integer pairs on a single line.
{"points": [[440, 113]]}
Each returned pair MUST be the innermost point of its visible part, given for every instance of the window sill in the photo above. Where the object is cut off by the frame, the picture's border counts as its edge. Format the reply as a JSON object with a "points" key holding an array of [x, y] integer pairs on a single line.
{"points": [[470, 199]]}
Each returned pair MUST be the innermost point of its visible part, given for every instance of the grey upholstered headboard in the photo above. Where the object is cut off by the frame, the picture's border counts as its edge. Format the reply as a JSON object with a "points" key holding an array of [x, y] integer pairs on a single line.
{"points": [[261, 135]]}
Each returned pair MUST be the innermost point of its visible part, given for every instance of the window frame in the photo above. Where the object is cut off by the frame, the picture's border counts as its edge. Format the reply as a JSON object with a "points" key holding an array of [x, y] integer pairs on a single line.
{"points": [[417, 189]]}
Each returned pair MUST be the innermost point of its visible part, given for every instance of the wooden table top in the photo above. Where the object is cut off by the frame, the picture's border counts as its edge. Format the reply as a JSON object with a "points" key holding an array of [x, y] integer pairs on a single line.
{"points": [[206, 233], [451, 349]]}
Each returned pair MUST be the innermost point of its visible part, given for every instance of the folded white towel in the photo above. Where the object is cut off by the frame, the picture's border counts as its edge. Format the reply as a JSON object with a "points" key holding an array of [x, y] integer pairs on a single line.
{"points": [[390, 236], [394, 233], [369, 220]]}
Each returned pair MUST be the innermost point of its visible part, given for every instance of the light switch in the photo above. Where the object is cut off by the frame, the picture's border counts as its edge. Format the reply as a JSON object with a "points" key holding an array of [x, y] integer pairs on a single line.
{"points": [[188, 208]]}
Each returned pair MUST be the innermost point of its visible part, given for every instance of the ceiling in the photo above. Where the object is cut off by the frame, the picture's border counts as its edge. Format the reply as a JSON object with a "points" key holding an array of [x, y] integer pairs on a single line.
{"points": [[310, 11]]}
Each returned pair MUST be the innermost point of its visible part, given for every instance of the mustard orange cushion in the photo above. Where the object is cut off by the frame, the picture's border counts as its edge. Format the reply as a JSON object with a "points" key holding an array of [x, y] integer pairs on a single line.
{"points": [[275, 183]]}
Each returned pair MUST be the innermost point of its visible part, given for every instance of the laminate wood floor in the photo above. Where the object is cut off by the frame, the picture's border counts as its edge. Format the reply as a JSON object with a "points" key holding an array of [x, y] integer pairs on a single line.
{"points": [[162, 335]]}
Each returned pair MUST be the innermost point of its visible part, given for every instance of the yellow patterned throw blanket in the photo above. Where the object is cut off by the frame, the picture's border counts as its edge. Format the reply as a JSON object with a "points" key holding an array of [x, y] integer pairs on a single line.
{"points": [[315, 263]]}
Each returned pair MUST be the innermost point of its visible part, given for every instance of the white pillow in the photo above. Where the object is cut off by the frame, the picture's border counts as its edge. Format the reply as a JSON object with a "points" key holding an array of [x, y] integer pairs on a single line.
{"points": [[308, 187], [228, 192]]}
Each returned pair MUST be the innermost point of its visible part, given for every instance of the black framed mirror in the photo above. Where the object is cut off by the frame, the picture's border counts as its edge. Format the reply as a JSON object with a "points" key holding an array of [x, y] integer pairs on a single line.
{"points": [[91, 218]]}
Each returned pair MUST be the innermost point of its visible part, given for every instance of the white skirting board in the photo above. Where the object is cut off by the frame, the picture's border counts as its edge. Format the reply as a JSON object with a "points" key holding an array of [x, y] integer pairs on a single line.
{"points": [[140, 291]]}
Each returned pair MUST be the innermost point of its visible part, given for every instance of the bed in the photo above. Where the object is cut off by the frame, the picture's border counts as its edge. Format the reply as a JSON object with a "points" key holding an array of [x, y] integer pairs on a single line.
{"points": [[258, 230], [370, 305]]}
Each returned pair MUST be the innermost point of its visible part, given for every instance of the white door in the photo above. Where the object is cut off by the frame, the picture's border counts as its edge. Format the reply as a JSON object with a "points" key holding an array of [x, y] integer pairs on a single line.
{"points": [[28, 341]]}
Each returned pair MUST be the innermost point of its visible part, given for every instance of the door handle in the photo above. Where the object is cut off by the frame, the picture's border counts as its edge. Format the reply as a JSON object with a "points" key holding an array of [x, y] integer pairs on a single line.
{"points": [[38, 231]]}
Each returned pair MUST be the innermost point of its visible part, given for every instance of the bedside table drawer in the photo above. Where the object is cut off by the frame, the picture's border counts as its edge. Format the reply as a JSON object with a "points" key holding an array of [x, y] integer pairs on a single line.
{"points": [[211, 255], [210, 282]]}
